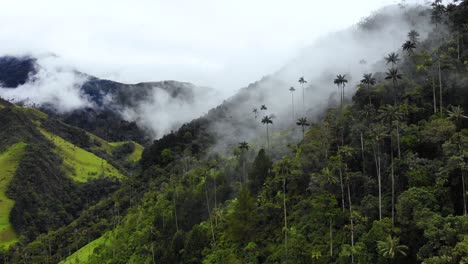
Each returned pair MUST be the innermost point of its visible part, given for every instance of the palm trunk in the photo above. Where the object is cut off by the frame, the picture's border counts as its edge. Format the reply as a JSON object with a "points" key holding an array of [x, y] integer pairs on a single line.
{"points": [[392, 170], [303, 132], [331, 238], [440, 88], [394, 93], [368, 93], [209, 211], [268, 137], [434, 91], [351, 222], [292, 101], [362, 153], [175, 214], [464, 191], [285, 219], [342, 189], [377, 165], [398, 139], [303, 100]]}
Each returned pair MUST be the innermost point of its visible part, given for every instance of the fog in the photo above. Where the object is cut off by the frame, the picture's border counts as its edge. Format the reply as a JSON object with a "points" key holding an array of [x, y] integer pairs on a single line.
{"points": [[222, 56]]}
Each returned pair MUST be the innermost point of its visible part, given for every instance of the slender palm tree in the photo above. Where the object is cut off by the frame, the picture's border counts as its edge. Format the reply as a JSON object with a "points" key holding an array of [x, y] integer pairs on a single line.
{"points": [[244, 147], [341, 81], [413, 36], [391, 115], [409, 47], [392, 58], [302, 81], [390, 247], [303, 123], [368, 80], [263, 107], [379, 132], [255, 111], [284, 169], [394, 75], [267, 120], [292, 100], [456, 114]]}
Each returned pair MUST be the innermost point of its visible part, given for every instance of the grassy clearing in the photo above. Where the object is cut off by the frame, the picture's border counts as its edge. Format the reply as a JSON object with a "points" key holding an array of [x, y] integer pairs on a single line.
{"points": [[135, 156], [80, 164], [81, 256], [9, 161]]}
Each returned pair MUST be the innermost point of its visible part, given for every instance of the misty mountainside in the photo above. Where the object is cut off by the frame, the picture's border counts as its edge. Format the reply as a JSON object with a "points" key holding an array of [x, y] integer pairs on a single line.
{"points": [[50, 172], [354, 152], [104, 107]]}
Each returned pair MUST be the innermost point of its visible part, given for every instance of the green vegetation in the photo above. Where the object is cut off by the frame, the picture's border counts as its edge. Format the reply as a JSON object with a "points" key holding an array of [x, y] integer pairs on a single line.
{"points": [[83, 254], [134, 155], [9, 161], [80, 164], [379, 179]]}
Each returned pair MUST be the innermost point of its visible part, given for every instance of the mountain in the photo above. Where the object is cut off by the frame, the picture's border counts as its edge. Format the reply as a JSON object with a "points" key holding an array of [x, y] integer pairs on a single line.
{"points": [[106, 101], [372, 174]]}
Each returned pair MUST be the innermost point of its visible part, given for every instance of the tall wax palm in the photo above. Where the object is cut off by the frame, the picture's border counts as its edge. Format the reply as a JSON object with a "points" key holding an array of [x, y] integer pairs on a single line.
{"points": [[302, 81], [394, 75], [303, 123], [244, 147], [379, 133], [413, 36], [368, 80], [392, 58], [292, 100], [341, 81], [456, 114], [267, 120], [284, 168], [390, 247], [255, 111], [409, 47], [391, 115]]}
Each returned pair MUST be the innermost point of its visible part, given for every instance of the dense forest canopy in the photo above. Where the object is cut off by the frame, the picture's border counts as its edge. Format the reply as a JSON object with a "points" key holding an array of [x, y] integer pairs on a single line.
{"points": [[376, 177]]}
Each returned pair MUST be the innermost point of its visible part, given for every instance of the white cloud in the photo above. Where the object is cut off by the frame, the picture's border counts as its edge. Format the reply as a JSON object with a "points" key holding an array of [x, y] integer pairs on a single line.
{"points": [[223, 44]]}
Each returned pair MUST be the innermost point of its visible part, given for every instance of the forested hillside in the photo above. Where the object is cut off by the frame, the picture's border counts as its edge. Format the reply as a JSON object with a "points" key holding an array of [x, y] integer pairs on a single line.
{"points": [[376, 178]]}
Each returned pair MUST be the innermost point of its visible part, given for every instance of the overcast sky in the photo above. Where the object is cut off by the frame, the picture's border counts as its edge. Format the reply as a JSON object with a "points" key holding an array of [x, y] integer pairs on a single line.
{"points": [[218, 43]]}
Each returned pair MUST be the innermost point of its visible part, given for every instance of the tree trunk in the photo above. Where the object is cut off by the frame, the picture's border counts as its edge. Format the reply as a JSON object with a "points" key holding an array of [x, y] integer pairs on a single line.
{"points": [[369, 94], [464, 191], [440, 89], [285, 219], [392, 171], [331, 238], [377, 165], [303, 100], [398, 139], [292, 101], [342, 189], [434, 90], [362, 153], [351, 222], [268, 138], [209, 211]]}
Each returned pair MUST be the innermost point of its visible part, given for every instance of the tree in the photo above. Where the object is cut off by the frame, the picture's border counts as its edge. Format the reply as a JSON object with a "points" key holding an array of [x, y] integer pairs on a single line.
{"points": [[392, 58], [368, 80], [341, 81], [457, 115], [302, 81], [255, 111], [392, 74], [409, 47], [413, 36], [267, 120], [390, 247], [379, 132], [391, 115], [244, 147], [292, 100], [303, 123]]}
